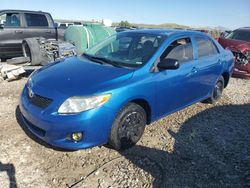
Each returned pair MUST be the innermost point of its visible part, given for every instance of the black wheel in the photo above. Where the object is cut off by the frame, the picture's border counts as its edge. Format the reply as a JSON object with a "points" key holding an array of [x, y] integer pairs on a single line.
{"points": [[217, 92], [128, 127], [31, 48]]}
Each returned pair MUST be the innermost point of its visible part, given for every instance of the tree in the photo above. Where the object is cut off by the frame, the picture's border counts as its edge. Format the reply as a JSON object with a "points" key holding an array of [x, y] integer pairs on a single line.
{"points": [[124, 24]]}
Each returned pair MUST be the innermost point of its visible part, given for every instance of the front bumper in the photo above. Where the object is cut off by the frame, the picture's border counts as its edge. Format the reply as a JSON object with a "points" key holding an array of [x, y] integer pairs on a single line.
{"points": [[242, 71], [54, 129]]}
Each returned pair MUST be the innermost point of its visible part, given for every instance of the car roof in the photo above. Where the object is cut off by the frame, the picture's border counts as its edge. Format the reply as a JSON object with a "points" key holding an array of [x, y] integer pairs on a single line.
{"points": [[166, 32], [23, 11], [243, 29]]}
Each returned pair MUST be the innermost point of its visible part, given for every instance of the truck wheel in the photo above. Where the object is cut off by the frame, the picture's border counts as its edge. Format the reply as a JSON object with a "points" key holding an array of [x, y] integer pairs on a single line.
{"points": [[31, 48], [217, 92], [128, 127]]}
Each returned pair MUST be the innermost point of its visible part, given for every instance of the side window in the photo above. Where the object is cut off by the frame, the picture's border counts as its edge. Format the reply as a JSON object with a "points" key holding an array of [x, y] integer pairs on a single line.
{"points": [[36, 20], [180, 50], [10, 19], [205, 47]]}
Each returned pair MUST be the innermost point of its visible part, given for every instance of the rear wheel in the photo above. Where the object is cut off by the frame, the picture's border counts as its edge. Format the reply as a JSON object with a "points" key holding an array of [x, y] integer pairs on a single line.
{"points": [[217, 92], [128, 127]]}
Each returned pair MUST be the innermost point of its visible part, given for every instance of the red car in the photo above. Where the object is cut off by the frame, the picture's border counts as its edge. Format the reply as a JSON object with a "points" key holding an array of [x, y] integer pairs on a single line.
{"points": [[238, 41]]}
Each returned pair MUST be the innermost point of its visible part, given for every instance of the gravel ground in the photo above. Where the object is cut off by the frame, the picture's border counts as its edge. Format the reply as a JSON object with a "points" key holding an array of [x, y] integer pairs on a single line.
{"points": [[200, 146]]}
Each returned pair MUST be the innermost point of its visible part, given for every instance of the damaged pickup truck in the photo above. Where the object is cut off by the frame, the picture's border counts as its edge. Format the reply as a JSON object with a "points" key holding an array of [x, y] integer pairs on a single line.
{"points": [[29, 39], [238, 42], [32, 34]]}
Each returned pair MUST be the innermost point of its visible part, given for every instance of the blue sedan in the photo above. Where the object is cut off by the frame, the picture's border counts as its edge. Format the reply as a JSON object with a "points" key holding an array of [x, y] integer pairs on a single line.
{"points": [[112, 91]]}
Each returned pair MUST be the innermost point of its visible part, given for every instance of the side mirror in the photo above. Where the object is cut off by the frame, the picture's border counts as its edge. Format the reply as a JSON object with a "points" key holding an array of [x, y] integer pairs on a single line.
{"points": [[168, 64], [1, 26]]}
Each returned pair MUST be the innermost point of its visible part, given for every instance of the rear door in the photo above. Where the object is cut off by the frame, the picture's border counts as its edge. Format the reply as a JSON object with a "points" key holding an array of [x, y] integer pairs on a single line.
{"points": [[39, 25], [11, 34], [209, 64]]}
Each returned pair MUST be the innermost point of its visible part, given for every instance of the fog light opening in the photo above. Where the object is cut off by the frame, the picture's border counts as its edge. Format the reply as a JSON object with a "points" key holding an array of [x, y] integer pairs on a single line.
{"points": [[76, 136]]}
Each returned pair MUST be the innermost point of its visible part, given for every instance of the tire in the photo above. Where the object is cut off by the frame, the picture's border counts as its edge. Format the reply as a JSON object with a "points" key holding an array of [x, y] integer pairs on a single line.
{"points": [[18, 60], [217, 91], [31, 48], [128, 127]]}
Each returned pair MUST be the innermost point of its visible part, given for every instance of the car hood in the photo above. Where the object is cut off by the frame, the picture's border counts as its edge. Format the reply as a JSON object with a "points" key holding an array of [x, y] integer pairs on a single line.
{"points": [[78, 76], [234, 45]]}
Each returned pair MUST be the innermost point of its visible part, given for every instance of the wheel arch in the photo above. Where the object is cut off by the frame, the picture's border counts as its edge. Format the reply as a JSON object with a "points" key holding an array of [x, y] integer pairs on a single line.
{"points": [[226, 77], [146, 106]]}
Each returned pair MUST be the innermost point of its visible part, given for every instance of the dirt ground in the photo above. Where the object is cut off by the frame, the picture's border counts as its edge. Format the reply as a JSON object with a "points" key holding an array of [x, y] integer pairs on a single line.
{"points": [[200, 146]]}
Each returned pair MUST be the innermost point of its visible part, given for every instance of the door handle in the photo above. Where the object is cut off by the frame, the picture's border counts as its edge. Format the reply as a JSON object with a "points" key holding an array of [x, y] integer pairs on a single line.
{"points": [[19, 31], [194, 70], [48, 31]]}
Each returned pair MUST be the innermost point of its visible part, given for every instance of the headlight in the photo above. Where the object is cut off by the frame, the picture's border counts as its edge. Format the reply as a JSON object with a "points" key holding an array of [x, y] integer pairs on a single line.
{"points": [[32, 73], [247, 54], [80, 104], [29, 81]]}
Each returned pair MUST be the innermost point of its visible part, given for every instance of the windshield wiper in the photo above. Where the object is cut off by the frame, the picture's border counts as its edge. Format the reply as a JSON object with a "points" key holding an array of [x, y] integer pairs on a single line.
{"points": [[102, 60], [93, 59], [108, 61]]}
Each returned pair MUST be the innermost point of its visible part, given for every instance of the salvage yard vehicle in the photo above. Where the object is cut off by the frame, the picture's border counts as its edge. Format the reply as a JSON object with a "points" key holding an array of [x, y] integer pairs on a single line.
{"points": [[115, 88], [33, 36], [30, 39], [238, 41], [16, 25]]}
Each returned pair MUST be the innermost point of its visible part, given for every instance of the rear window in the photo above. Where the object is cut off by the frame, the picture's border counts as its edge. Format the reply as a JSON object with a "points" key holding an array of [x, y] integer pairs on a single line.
{"points": [[239, 35], [36, 20], [205, 47]]}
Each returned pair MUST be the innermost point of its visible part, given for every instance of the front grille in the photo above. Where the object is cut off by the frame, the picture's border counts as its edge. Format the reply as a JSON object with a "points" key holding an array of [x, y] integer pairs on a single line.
{"points": [[39, 101]]}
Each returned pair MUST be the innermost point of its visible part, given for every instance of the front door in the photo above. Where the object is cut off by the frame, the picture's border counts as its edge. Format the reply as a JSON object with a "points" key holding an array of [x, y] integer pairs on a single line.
{"points": [[177, 88], [11, 35]]}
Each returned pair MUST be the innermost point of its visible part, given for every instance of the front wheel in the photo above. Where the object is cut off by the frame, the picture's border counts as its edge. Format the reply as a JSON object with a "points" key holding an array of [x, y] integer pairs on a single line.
{"points": [[128, 127], [217, 91]]}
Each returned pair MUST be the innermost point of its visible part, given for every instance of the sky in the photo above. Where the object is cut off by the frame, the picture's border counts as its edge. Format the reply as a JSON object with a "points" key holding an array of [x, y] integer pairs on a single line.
{"points": [[231, 14]]}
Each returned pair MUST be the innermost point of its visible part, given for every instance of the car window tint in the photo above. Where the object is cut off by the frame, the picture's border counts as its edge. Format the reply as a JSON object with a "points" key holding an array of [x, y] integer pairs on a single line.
{"points": [[10, 19], [36, 20], [243, 35], [128, 48], [205, 47], [180, 50]]}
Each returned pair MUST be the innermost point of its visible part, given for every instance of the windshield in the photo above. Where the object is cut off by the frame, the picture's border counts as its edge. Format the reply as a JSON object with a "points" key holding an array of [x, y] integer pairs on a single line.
{"points": [[128, 49], [239, 35]]}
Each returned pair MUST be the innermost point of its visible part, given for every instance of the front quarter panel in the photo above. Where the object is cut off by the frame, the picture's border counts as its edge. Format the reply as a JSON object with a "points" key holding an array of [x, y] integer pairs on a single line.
{"points": [[140, 86]]}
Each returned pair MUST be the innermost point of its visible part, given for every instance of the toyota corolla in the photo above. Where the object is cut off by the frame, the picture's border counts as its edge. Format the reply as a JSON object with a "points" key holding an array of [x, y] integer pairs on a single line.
{"points": [[111, 92]]}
